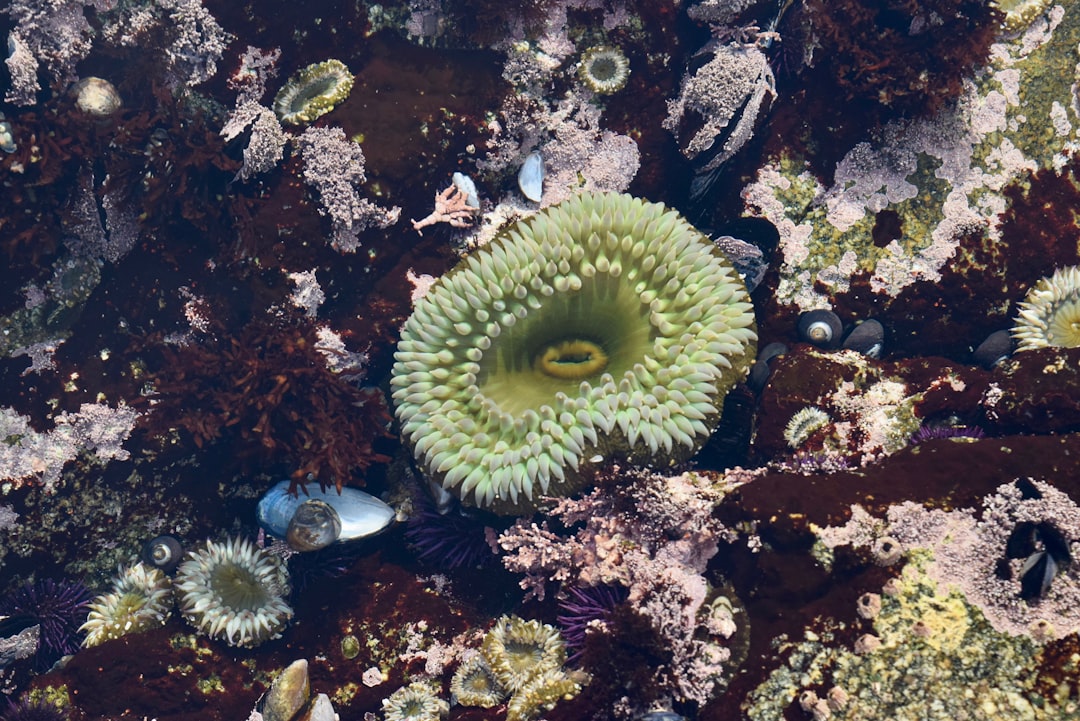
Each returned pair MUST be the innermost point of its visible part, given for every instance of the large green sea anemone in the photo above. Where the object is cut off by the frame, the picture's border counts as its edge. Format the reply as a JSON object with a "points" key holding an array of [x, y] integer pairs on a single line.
{"points": [[601, 327]]}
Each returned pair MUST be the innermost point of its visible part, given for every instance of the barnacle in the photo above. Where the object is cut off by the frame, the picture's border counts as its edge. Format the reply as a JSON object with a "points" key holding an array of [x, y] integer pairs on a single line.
{"points": [[234, 591], [604, 69], [474, 684], [140, 599], [601, 326], [415, 702], [313, 92], [1050, 314]]}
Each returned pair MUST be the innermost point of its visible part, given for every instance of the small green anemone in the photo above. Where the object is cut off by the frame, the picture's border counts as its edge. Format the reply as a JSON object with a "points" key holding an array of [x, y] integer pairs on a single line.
{"points": [[313, 92], [604, 326], [604, 69]]}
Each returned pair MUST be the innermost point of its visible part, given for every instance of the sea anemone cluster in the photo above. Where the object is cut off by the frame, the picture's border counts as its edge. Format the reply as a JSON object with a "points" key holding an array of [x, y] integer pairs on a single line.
{"points": [[604, 326], [140, 599], [604, 69], [475, 684], [313, 92], [416, 702], [1050, 314], [57, 607], [526, 658], [234, 591]]}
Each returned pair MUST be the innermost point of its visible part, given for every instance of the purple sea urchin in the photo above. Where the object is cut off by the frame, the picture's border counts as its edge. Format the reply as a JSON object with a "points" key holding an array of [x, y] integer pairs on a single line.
{"points": [[140, 599], [1050, 314], [58, 607], [448, 541], [28, 710], [603, 326], [234, 591], [581, 608]]}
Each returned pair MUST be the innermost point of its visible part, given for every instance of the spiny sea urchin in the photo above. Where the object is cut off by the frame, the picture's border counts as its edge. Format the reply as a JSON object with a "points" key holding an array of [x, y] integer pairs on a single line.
{"points": [[234, 591], [1050, 314], [58, 607], [140, 599], [604, 326]]}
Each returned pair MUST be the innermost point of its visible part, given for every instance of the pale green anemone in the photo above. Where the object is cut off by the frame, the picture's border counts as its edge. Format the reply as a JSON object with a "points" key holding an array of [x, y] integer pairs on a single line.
{"points": [[604, 326], [1050, 314], [313, 92], [140, 599], [604, 69]]}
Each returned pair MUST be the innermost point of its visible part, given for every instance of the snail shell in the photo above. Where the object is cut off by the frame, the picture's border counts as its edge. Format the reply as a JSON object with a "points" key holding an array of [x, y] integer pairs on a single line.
{"points": [[163, 552], [531, 176], [867, 338], [323, 517], [997, 347], [820, 327]]}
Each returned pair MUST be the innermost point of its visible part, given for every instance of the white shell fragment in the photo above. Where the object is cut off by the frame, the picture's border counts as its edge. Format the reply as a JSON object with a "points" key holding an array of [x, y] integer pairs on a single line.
{"points": [[531, 176], [466, 187], [360, 514]]}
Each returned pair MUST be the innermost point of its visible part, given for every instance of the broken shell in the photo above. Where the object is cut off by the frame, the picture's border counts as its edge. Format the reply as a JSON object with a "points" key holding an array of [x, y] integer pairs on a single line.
{"points": [[531, 176]]}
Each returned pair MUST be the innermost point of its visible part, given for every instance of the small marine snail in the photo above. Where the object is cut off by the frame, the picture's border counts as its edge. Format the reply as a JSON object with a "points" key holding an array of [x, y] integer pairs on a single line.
{"points": [[318, 518], [821, 328], [867, 338], [163, 552]]}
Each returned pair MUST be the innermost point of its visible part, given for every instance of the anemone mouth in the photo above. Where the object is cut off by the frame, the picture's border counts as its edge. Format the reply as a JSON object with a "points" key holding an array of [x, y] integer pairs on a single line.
{"points": [[604, 325], [313, 92]]}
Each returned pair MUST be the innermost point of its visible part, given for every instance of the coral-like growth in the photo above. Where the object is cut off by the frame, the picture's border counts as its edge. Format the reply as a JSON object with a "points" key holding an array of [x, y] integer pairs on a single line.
{"points": [[313, 92], [604, 326], [58, 607], [234, 591], [140, 599], [268, 393]]}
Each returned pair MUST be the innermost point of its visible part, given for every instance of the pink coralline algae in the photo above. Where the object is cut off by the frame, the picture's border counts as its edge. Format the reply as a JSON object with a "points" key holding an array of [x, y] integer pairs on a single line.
{"points": [[266, 146], [334, 167], [653, 536], [975, 553]]}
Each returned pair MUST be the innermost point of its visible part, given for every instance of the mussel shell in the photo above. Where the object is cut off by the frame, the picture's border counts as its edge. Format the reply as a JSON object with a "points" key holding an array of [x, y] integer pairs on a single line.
{"points": [[360, 514], [867, 338], [820, 327], [759, 372]]}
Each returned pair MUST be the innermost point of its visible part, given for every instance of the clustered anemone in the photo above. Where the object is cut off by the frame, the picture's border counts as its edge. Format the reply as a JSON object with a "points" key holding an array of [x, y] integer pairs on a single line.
{"points": [[415, 702], [604, 69], [234, 591], [602, 326], [313, 92], [474, 684], [140, 599], [526, 658], [1050, 314]]}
